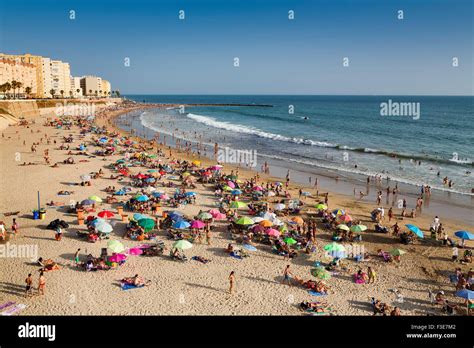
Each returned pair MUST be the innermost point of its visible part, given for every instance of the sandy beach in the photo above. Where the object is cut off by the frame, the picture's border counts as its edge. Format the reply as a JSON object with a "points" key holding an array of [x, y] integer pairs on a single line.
{"points": [[191, 288]]}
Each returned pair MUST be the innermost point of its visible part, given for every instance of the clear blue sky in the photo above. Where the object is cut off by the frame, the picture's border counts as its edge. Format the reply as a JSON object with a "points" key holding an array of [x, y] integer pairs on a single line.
{"points": [[277, 56]]}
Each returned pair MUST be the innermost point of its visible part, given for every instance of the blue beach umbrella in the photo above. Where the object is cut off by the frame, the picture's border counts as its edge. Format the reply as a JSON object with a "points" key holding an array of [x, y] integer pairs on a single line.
{"points": [[175, 214], [464, 235], [181, 224], [236, 192], [120, 193], [97, 221], [189, 194], [87, 202], [138, 216], [465, 293], [142, 198], [415, 230], [150, 180]]}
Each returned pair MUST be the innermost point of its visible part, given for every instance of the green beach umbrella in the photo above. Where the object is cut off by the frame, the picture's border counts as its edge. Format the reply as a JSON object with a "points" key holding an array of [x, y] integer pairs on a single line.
{"points": [[227, 188], [334, 247], [397, 252], [321, 206], [358, 228], [290, 241], [237, 205], [205, 216], [244, 220], [182, 245], [147, 223], [115, 246], [320, 272], [342, 227], [95, 199]]}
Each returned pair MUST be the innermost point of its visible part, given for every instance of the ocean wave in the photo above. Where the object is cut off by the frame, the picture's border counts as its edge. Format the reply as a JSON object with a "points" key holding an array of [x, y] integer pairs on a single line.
{"points": [[237, 128]]}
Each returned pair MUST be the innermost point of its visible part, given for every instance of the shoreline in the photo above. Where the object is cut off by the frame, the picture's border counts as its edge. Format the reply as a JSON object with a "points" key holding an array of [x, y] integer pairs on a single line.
{"points": [[456, 206]]}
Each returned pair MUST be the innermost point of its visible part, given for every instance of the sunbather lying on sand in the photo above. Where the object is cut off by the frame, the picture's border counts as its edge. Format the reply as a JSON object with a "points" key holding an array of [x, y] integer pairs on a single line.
{"points": [[135, 280], [47, 265]]}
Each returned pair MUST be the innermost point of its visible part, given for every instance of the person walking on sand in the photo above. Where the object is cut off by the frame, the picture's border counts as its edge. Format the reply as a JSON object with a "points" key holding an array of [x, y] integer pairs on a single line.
{"points": [[286, 275], [15, 227], [372, 275], [41, 283], [208, 235], [231, 282], [29, 285], [76, 257]]}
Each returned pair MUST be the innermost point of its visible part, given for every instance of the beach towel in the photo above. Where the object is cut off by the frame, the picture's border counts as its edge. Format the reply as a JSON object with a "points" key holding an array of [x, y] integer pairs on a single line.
{"points": [[198, 258], [6, 304], [15, 309], [236, 256], [131, 286], [453, 278], [314, 293]]}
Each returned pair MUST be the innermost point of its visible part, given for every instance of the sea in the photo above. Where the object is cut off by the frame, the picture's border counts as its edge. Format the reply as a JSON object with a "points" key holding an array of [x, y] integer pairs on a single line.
{"points": [[407, 140]]}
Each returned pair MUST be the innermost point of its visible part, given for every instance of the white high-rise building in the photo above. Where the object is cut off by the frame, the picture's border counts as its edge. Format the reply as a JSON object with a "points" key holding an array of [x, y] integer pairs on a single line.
{"points": [[76, 88], [60, 78]]}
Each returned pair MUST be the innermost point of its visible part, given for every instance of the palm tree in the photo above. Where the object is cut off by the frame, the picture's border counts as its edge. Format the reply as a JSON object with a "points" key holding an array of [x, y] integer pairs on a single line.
{"points": [[28, 91], [90, 91], [19, 85], [3, 89], [95, 93], [52, 92], [62, 93], [100, 92], [117, 92], [78, 90], [70, 94], [14, 85], [8, 86]]}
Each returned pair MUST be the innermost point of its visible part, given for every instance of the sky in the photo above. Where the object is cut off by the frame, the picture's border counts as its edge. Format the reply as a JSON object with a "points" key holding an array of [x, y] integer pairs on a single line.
{"points": [[195, 55]]}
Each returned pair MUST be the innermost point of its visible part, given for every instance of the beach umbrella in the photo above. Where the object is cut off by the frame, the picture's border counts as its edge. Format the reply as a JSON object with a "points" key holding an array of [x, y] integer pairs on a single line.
{"points": [[358, 228], [106, 214], [151, 189], [216, 167], [103, 227], [182, 244], [290, 241], [175, 214], [207, 216], [117, 258], [257, 228], [142, 198], [95, 199], [196, 163], [266, 223], [342, 227], [236, 192], [138, 216], [181, 224], [120, 193], [85, 177], [244, 220], [96, 221], [213, 211], [258, 219], [415, 230], [189, 194], [220, 216], [249, 247], [338, 212], [465, 293], [135, 251], [257, 188], [197, 224], [152, 171], [279, 206], [147, 223], [397, 252], [345, 218], [230, 184], [271, 194], [268, 216], [298, 220], [87, 202], [120, 161], [237, 205], [164, 197], [150, 180], [115, 246], [273, 233], [321, 206], [464, 235], [334, 247], [321, 273]]}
